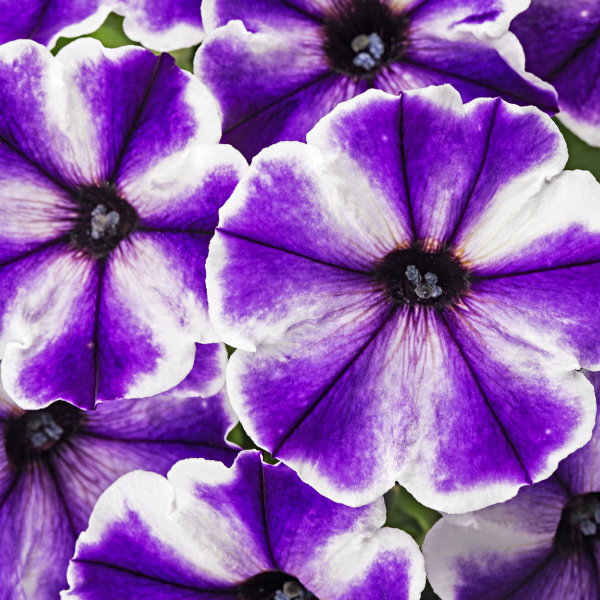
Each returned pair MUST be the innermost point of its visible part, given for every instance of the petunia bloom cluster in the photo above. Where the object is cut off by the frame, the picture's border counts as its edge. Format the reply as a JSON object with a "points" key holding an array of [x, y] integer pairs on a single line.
{"points": [[406, 277]]}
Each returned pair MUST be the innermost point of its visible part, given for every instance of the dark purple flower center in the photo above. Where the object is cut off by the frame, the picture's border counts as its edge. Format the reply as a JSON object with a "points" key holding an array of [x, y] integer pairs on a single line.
{"points": [[361, 36], [579, 525], [413, 276], [36, 434], [273, 585], [103, 220]]}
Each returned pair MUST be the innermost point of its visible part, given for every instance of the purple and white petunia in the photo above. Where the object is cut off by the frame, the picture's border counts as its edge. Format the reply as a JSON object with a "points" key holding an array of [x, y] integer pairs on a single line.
{"points": [[55, 463], [111, 177], [251, 532], [561, 39], [162, 25], [412, 293], [277, 66], [544, 543]]}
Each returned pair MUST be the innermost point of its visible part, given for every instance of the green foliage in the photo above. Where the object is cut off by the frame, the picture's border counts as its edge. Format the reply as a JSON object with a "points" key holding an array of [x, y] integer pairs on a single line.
{"points": [[111, 35]]}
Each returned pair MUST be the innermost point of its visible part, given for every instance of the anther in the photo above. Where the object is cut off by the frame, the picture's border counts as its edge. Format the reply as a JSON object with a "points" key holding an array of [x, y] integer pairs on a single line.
{"points": [[104, 223], [369, 49], [42, 429], [424, 288]]}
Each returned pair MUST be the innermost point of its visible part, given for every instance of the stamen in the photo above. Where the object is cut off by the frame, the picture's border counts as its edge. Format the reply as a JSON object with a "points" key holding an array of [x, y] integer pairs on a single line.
{"points": [[364, 60], [292, 590], [42, 429], [360, 42], [369, 49], [426, 288], [103, 223], [376, 47]]}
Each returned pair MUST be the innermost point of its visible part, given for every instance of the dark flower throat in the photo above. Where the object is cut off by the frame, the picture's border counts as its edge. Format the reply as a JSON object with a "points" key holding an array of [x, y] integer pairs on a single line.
{"points": [[103, 220], [413, 276], [362, 36], [36, 435], [579, 526], [273, 585]]}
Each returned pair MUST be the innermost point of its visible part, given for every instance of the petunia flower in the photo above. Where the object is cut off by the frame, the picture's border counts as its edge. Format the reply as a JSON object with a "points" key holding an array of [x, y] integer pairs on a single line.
{"points": [[55, 463], [561, 39], [412, 293], [251, 532], [542, 544], [162, 25], [111, 177], [277, 66]]}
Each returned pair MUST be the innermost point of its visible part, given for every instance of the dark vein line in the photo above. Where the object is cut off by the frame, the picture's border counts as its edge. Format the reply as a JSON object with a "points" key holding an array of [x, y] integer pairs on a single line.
{"points": [[582, 48], [101, 270], [534, 271], [302, 12], [405, 170], [335, 380], [266, 245], [476, 181], [562, 484], [529, 577], [62, 498], [110, 438], [483, 395], [264, 515], [481, 84], [11, 487], [40, 248], [36, 166], [281, 99], [136, 120], [38, 21], [416, 8], [173, 230], [150, 577]]}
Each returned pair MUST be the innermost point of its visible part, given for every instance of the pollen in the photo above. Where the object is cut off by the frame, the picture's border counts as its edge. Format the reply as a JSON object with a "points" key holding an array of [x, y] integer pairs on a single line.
{"points": [[369, 49], [103, 222]]}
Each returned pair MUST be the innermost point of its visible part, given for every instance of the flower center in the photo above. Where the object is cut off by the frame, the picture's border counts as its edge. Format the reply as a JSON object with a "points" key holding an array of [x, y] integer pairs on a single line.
{"points": [[273, 585], [103, 220], [579, 524], [363, 35], [35, 434], [412, 276]]}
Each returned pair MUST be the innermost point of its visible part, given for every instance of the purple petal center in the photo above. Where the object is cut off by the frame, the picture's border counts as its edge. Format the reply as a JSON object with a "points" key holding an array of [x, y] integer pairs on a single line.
{"points": [[103, 220], [579, 526], [35, 435], [362, 36], [413, 276], [273, 585]]}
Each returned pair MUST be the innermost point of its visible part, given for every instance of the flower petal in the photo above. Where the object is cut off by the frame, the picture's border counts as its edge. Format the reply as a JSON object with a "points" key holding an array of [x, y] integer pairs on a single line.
{"points": [[34, 207], [133, 548], [152, 310], [227, 525], [183, 192], [45, 22], [311, 539], [49, 303], [570, 62], [261, 79], [36, 535], [162, 25]]}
